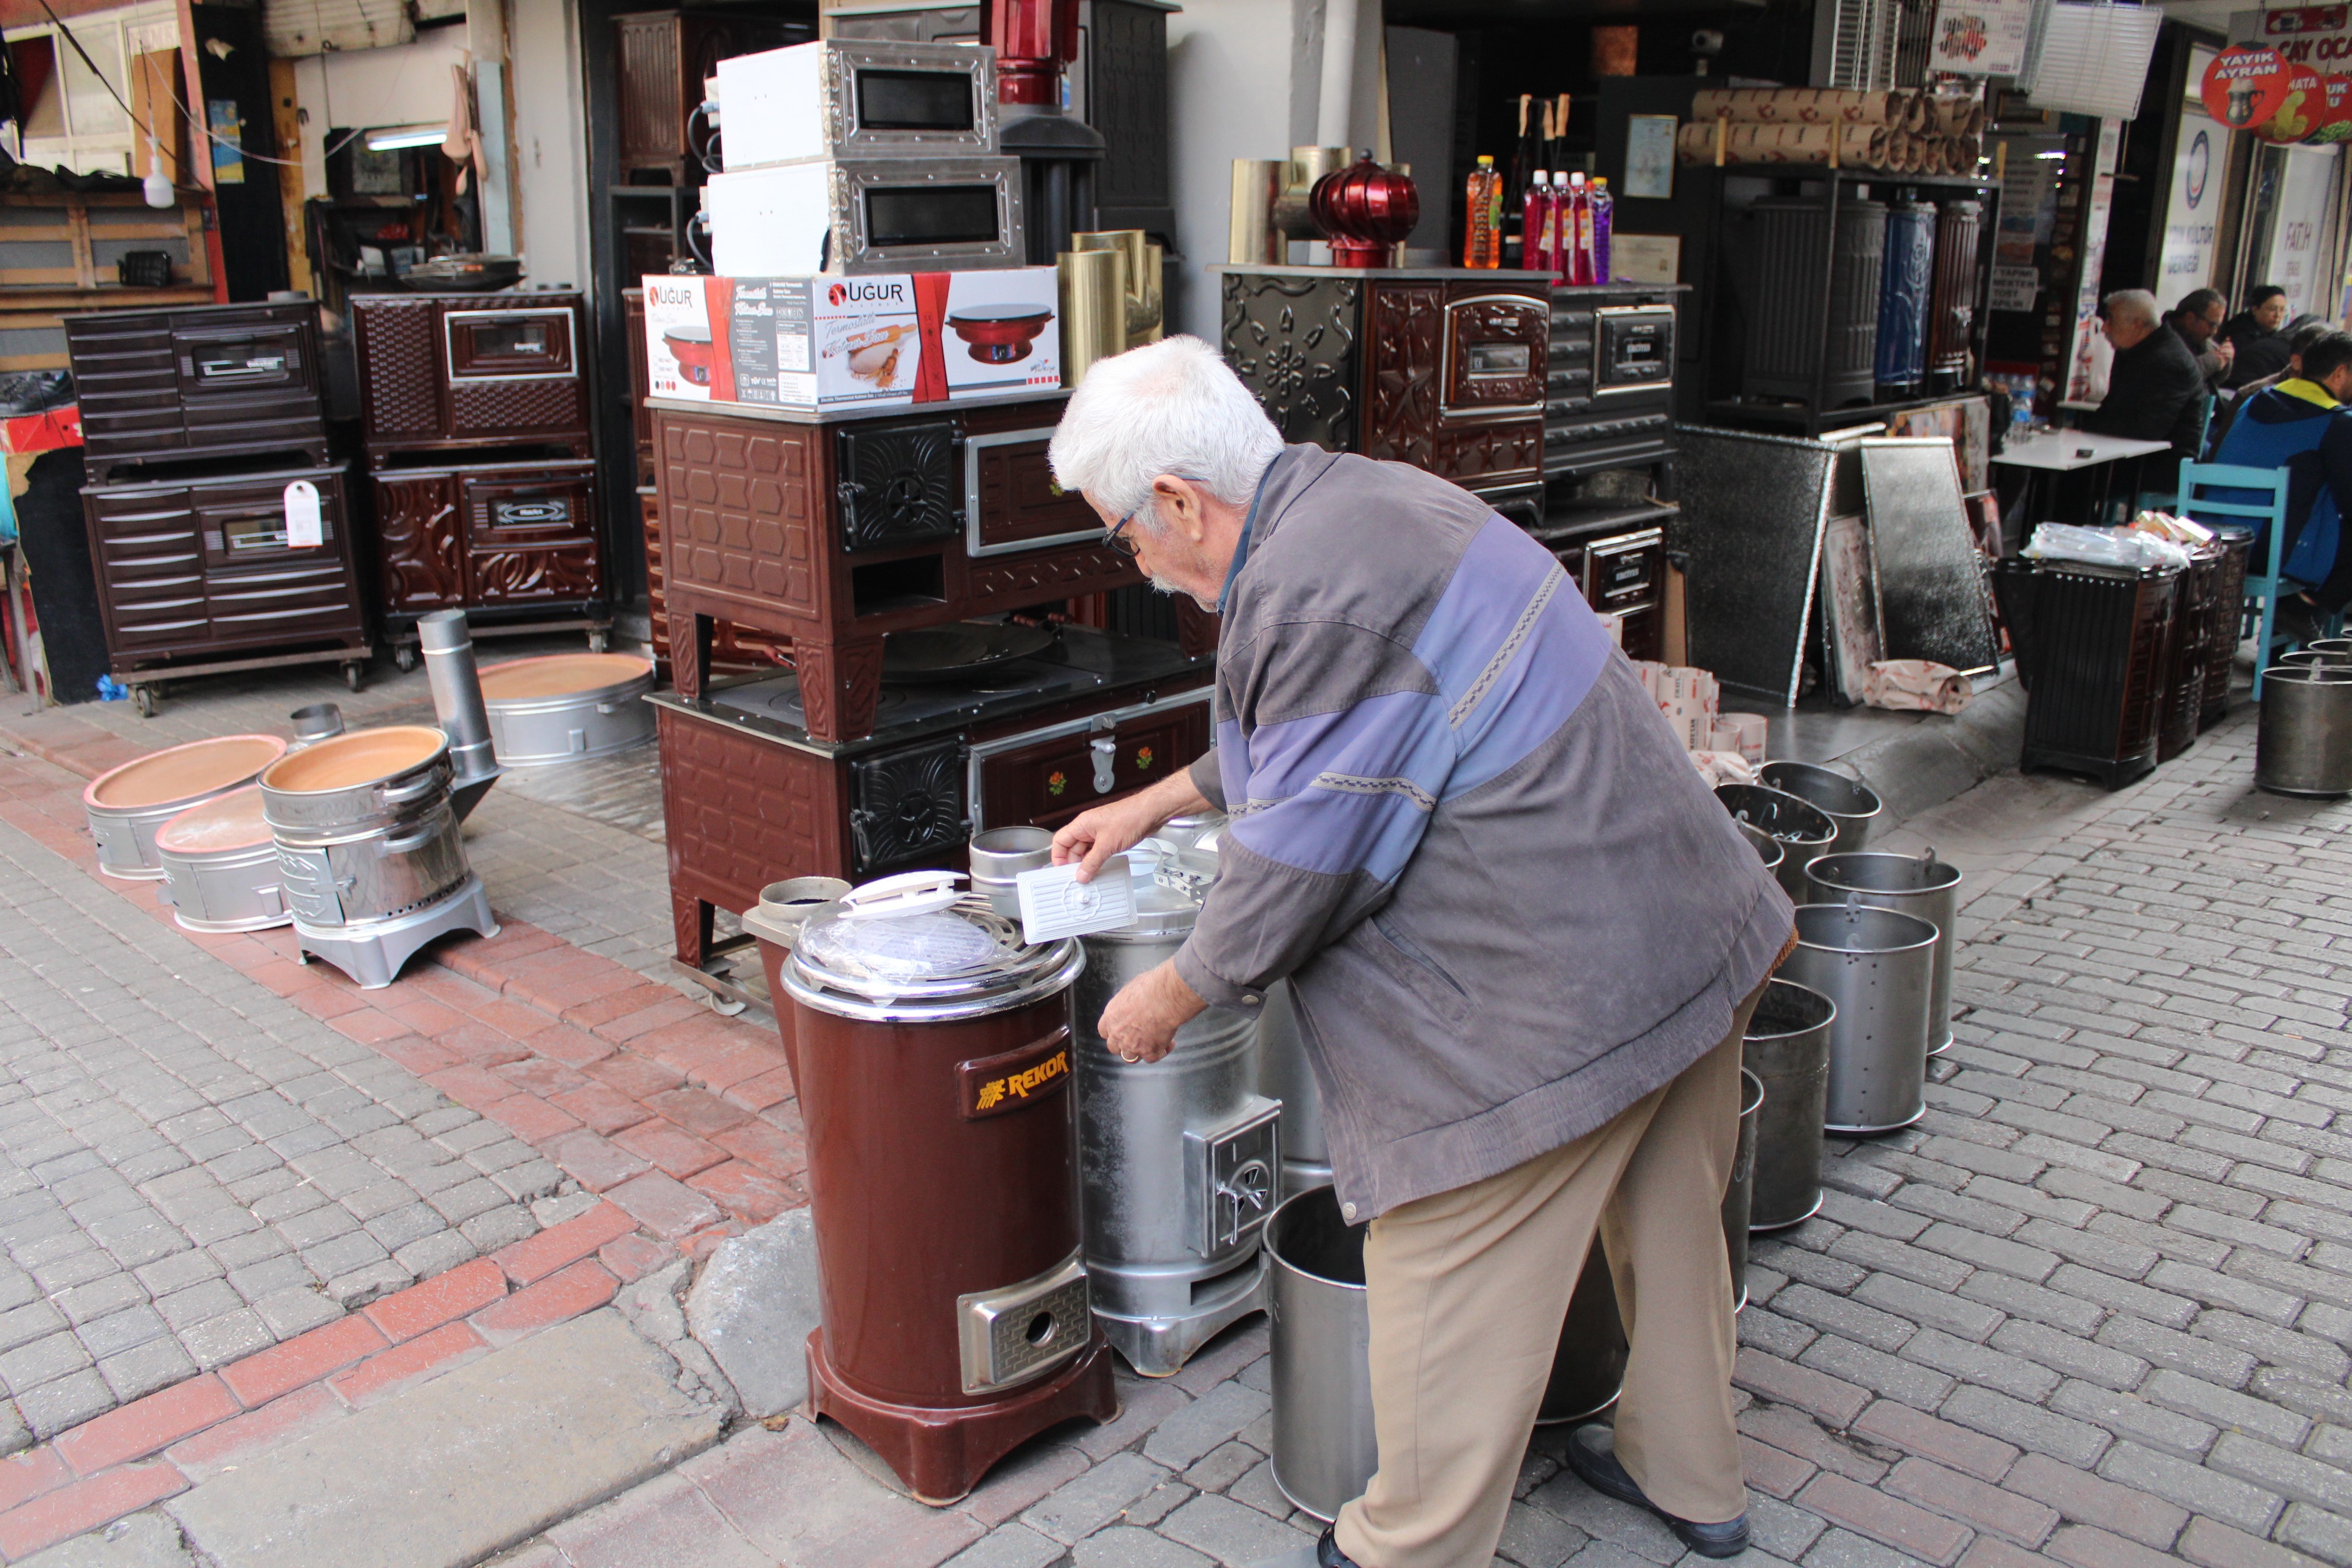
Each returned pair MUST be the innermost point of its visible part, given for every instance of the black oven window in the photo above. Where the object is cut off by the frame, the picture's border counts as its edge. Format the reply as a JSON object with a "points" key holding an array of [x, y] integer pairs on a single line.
{"points": [[914, 101], [1499, 359], [509, 339], [244, 535], [241, 360], [536, 512], [930, 214]]}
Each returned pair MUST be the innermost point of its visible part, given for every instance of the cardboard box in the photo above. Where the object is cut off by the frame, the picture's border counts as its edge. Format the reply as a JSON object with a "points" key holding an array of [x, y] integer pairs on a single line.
{"points": [[820, 342]]}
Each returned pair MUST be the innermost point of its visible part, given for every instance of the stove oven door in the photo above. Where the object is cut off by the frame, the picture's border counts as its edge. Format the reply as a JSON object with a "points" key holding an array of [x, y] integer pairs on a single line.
{"points": [[1635, 346], [217, 363], [1010, 499], [906, 805], [1496, 348], [1042, 778], [505, 344], [896, 483], [530, 534]]}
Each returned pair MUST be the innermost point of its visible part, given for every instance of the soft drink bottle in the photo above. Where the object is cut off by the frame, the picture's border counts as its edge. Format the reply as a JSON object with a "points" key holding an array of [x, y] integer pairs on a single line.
{"points": [[1481, 206], [1604, 212], [1535, 244], [1562, 218], [1578, 231]]}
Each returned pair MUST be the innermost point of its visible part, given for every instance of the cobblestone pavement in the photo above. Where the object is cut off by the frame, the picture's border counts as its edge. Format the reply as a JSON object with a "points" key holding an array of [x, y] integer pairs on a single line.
{"points": [[192, 1168], [2093, 1310]]}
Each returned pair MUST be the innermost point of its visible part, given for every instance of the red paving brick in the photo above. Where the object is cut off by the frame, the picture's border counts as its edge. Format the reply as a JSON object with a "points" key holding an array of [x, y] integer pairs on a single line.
{"points": [[481, 1046], [1792, 1431], [306, 1358], [769, 1089], [581, 1288], [1886, 1519], [675, 1151], [368, 1025], [329, 1002], [633, 1257], [530, 1118], [618, 1005], [593, 1161], [415, 1052], [746, 1191], [542, 1077], [28, 1475], [284, 976], [465, 1289], [601, 1109], [634, 1074], [1833, 1399], [146, 1426], [628, 1027], [1972, 1501], [423, 1014], [698, 1110], [669, 1209], [536, 1257], [2086, 1547], [1772, 1471], [304, 1410], [404, 1364], [1900, 1427], [2086, 1499], [513, 1019], [85, 1505], [716, 1064], [475, 1088], [573, 1047], [775, 1150], [1991, 1551]]}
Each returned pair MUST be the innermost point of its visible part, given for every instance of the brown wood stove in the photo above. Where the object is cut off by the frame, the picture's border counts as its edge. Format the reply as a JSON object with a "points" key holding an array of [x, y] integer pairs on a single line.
{"points": [[933, 1063], [750, 796]]}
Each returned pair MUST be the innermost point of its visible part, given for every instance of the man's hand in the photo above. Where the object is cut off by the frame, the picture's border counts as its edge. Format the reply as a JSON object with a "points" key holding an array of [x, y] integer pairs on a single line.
{"points": [[1141, 1024], [1095, 836], [2226, 349]]}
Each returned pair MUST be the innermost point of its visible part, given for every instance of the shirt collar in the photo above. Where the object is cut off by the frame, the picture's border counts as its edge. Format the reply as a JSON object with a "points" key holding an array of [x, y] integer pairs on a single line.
{"points": [[1242, 546], [2309, 391]]}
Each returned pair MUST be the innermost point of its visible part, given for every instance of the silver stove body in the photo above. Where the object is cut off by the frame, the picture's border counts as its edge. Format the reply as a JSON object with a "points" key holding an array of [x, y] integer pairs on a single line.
{"points": [[373, 952]]}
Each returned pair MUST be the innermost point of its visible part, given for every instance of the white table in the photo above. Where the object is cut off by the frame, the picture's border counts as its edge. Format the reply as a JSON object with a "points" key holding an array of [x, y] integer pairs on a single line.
{"points": [[2056, 452]]}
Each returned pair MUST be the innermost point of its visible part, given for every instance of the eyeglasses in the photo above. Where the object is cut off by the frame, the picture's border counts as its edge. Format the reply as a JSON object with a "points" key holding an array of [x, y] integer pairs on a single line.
{"points": [[1126, 547]]}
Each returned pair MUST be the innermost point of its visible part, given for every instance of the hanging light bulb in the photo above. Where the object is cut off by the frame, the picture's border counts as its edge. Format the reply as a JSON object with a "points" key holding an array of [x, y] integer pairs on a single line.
{"points": [[157, 186]]}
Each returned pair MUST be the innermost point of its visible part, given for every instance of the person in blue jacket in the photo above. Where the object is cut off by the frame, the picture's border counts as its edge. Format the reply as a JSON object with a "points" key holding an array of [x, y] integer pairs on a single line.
{"points": [[2302, 425]]}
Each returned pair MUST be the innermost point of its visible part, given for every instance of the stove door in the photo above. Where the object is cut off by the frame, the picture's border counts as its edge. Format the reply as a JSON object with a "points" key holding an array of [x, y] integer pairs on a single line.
{"points": [[896, 483], [907, 805], [1044, 778], [1636, 348], [1495, 347], [1010, 499]]}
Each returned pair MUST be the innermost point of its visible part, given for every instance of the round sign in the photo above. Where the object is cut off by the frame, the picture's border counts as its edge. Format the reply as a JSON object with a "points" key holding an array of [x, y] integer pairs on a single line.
{"points": [[2299, 112], [2336, 109], [2245, 85]]}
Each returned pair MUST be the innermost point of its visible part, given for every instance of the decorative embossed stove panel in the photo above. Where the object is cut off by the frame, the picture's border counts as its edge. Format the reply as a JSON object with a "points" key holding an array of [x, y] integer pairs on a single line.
{"points": [[483, 536], [1438, 367]]}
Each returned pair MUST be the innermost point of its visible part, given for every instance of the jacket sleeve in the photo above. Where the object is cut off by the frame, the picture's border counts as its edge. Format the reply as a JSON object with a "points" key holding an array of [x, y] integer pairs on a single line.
{"points": [[1328, 795], [2335, 457]]}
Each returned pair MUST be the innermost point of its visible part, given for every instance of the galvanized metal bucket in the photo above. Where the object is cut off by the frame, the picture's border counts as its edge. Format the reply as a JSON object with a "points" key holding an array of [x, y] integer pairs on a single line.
{"points": [[124, 807], [1878, 967], [1786, 1047], [1324, 1446], [2303, 744], [1739, 1194], [1803, 829], [1849, 803], [1001, 854], [1588, 1366], [2313, 656], [1773, 851], [1283, 1074], [1917, 885]]}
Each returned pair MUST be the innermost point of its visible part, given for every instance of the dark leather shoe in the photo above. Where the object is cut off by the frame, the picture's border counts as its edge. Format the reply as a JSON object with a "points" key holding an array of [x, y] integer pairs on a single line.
{"points": [[1327, 1550], [1592, 1455]]}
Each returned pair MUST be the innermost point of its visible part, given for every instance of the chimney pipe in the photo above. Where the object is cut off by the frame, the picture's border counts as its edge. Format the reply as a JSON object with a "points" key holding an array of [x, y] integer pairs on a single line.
{"points": [[448, 650]]}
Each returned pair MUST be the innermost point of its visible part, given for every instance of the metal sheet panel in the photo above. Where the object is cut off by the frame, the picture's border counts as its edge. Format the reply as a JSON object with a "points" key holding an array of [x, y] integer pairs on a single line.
{"points": [[1926, 572], [1753, 509]]}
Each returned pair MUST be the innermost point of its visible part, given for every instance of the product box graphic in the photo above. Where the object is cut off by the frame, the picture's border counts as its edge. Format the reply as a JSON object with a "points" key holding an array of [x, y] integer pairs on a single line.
{"points": [[822, 341]]}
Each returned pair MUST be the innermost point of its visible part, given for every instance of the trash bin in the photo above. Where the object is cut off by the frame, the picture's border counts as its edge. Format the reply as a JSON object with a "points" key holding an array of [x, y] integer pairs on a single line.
{"points": [[1325, 1448], [1849, 803], [1767, 847], [1787, 1049], [1877, 966], [1739, 1194], [2304, 745], [1803, 829], [2093, 644]]}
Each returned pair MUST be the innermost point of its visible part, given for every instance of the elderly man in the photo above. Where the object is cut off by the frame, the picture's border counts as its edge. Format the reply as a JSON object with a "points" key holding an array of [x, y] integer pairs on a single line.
{"points": [[2154, 392], [1523, 938]]}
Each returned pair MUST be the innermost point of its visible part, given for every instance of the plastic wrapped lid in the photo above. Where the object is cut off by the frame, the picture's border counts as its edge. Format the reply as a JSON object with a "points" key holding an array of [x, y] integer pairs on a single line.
{"points": [[909, 947]]}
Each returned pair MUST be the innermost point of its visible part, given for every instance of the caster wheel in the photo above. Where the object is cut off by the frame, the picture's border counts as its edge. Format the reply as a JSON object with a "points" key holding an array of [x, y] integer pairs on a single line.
{"points": [[144, 696], [725, 1006], [597, 641], [404, 657], [353, 674]]}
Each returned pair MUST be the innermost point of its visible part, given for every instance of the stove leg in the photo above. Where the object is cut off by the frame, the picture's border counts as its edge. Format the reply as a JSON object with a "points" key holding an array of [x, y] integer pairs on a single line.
{"points": [[691, 918], [841, 686], [690, 653]]}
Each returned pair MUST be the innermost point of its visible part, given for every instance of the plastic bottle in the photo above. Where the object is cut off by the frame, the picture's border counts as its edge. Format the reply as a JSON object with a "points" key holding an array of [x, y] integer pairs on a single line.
{"points": [[1604, 209], [1559, 226], [1481, 215], [1535, 224], [1578, 231]]}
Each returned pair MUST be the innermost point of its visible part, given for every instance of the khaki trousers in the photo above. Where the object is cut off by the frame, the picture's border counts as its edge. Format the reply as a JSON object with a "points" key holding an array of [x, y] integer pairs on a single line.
{"points": [[1467, 1290]]}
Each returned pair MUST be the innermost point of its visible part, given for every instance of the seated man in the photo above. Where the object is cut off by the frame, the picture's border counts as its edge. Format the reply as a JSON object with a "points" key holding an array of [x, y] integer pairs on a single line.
{"points": [[2154, 392], [2299, 338], [2197, 319], [2301, 425]]}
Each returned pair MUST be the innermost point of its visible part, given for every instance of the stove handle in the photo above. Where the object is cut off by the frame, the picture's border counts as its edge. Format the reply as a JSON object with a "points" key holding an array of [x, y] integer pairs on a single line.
{"points": [[1251, 1183], [1105, 755]]}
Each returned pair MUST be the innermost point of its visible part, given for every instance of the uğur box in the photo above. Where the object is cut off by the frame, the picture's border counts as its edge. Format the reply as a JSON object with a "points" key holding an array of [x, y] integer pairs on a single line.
{"points": [[823, 341]]}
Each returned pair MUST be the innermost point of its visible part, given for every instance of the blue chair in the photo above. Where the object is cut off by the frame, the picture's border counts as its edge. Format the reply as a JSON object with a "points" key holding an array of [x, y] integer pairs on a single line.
{"points": [[2264, 586]]}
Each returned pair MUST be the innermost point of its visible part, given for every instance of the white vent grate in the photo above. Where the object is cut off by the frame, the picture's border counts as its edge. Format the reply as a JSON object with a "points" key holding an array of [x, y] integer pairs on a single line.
{"points": [[314, 26]]}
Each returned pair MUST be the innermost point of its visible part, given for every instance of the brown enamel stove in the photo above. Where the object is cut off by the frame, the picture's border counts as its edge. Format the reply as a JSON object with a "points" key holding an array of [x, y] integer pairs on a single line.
{"points": [[835, 529], [933, 1061]]}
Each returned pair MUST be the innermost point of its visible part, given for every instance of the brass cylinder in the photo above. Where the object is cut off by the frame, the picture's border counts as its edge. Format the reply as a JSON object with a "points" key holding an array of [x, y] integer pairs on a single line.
{"points": [[1306, 166], [1094, 310], [1140, 263], [1250, 239]]}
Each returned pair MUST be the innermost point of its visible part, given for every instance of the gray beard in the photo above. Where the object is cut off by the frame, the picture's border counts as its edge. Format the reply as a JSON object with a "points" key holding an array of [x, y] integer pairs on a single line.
{"points": [[1163, 585]]}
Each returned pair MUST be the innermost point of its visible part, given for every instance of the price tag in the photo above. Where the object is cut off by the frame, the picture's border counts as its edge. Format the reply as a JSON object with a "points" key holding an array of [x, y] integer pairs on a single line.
{"points": [[303, 529]]}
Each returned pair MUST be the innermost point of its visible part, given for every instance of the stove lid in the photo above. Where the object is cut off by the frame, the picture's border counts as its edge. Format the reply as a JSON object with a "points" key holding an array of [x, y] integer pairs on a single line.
{"points": [[911, 948]]}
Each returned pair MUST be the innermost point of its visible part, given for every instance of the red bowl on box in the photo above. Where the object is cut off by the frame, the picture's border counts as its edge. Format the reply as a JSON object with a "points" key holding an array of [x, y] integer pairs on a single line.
{"points": [[694, 354], [1000, 334]]}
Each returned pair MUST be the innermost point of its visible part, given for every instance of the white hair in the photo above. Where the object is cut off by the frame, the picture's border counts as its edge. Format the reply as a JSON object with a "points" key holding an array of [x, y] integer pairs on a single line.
{"points": [[2136, 304], [1169, 407]]}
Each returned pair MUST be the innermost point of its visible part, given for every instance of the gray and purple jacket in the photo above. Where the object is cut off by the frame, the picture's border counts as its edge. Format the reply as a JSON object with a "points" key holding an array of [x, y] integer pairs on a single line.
{"points": [[1507, 905]]}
